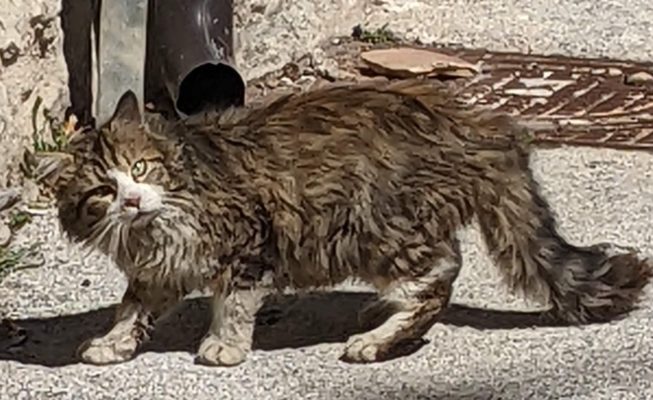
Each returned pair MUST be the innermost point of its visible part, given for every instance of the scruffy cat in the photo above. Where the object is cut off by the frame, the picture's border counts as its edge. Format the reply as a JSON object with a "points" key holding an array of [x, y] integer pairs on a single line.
{"points": [[365, 180]]}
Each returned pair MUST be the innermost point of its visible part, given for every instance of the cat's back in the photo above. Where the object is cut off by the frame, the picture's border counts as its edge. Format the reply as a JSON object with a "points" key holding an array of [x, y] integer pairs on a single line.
{"points": [[410, 114], [343, 137]]}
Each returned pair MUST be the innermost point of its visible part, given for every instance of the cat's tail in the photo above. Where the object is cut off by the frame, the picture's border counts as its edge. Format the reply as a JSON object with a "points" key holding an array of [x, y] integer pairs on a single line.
{"points": [[584, 284]]}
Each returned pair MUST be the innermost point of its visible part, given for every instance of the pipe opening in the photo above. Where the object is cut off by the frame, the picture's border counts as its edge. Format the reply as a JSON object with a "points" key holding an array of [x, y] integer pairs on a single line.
{"points": [[210, 86]]}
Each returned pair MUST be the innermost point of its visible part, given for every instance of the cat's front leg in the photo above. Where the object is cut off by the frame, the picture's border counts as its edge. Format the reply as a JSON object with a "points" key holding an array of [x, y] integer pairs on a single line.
{"points": [[230, 336], [132, 325]]}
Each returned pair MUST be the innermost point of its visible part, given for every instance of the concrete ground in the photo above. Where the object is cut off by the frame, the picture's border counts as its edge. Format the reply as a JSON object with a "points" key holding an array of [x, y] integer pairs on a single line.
{"points": [[484, 348]]}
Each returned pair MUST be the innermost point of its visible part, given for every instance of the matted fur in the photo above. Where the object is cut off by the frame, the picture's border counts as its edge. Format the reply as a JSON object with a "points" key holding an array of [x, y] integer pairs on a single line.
{"points": [[368, 180]]}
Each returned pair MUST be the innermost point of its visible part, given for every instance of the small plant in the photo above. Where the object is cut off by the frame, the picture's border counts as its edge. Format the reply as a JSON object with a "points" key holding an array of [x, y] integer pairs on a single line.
{"points": [[57, 130], [529, 137], [12, 260], [376, 36], [18, 220], [51, 137]]}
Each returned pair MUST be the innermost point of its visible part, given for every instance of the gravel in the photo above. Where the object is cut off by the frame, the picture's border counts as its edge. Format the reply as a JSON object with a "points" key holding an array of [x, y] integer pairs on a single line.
{"points": [[483, 348]]}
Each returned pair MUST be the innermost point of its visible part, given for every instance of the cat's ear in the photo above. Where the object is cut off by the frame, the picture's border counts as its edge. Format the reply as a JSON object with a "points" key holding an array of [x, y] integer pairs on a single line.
{"points": [[127, 109]]}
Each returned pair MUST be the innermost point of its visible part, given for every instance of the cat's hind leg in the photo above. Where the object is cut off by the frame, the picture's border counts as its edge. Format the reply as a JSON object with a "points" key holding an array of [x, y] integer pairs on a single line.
{"points": [[417, 298], [133, 322]]}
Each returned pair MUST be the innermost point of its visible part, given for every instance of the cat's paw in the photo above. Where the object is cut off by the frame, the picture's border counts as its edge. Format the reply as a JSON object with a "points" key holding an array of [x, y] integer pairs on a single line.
{"points": [[215, 352], [370, 347], [107, 350], [363, 348]]}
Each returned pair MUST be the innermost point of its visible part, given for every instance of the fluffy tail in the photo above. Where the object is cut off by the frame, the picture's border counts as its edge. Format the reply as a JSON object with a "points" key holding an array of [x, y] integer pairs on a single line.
{"points": [[585, 284]]}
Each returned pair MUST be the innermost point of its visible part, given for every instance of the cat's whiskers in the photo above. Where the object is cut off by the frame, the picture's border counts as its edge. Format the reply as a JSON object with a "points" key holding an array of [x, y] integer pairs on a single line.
{"points": [[171, 201], [96, 236], [123, 234], [112, 240], [99, 231]]}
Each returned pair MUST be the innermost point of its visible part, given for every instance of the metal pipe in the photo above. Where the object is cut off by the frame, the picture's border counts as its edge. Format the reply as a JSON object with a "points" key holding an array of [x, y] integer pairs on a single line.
{"points": [[190, 55]]}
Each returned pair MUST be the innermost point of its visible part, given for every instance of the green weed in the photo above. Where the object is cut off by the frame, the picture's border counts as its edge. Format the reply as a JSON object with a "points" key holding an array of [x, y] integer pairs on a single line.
{"points": [[12, 260], [52, 127], [375, 36], [18, 220]]}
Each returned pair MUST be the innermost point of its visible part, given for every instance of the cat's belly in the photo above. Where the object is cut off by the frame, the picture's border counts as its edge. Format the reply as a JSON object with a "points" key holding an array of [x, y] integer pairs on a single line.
{"points": [[322, 250]]}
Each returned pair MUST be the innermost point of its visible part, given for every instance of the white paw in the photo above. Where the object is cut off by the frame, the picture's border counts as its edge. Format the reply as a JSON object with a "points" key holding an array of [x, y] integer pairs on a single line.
{"points": [[215, 352], [363, 348], [108, 350]]}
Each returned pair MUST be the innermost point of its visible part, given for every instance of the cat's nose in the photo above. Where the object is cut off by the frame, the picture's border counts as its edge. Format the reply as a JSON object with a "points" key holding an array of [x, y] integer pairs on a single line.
{"points": [[132, 201]]}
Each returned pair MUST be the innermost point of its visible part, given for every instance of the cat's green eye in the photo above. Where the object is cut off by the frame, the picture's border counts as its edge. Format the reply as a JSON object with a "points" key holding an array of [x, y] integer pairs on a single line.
{"points": [[138, 169]]}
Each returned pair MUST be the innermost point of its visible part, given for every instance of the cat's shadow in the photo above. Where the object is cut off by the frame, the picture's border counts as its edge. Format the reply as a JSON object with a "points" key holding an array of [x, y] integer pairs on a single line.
{"points": [[284, 322]]}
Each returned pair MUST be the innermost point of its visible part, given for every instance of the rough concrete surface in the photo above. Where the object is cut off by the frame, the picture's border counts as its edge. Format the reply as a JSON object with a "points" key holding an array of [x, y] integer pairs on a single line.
{"points": [[477, 352]]}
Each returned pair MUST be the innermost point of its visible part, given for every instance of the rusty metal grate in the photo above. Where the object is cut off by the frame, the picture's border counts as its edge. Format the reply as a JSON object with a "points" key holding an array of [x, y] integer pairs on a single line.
{"points": [[579, 101], [586, 101]]}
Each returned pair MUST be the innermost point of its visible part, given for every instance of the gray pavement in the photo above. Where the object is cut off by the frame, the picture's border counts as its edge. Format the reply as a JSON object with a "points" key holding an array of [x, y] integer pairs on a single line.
{"points": [[484, 348]]}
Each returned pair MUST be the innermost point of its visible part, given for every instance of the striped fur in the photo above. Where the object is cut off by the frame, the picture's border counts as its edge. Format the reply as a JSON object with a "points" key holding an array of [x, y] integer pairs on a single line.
{"points": [[370, 181]]}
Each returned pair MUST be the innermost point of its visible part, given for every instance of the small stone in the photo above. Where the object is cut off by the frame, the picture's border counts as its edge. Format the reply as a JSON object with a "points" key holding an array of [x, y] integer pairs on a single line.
{"points": [[257, 8], [317, 57], [329, 69], [9, 55], [285, 81], [304, 64], [377, 79], [8, 198], [86, 283], [305, 80], [3, 94], [335, 41], [31, 192], [5, 234], [270, 82], [409, 62], [62, 258], [639, 78], [291, 71], [456, 72]]}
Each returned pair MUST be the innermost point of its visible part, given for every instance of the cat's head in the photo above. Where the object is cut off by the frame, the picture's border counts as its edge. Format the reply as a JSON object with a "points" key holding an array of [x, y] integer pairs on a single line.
{"points": [[120, 175]]}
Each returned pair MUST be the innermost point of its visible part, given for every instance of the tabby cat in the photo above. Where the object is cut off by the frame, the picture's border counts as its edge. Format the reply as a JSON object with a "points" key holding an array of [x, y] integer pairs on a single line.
{"points": [[366, 180]]}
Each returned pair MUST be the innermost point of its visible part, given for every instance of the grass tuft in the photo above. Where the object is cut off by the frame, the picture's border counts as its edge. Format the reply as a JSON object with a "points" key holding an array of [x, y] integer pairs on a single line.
{"points": [[12, 260], [374, 36]]}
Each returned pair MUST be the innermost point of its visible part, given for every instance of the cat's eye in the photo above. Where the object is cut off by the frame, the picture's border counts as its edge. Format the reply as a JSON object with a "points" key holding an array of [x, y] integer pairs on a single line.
{"points": [[138, 169]]}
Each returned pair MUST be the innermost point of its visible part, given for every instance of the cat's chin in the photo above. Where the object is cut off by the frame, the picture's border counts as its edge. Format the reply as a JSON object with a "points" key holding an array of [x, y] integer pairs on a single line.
{"points": [[144, 219], [140, 219]]}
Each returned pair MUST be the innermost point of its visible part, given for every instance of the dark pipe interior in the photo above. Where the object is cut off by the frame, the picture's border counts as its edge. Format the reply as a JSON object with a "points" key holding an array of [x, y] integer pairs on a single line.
{"points": [[210, 86]]}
